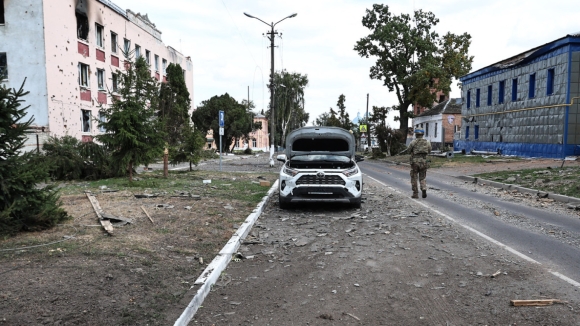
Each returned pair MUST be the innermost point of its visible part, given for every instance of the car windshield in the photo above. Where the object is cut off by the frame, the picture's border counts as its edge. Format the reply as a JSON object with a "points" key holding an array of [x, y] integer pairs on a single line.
{"points": [[321, 158]]}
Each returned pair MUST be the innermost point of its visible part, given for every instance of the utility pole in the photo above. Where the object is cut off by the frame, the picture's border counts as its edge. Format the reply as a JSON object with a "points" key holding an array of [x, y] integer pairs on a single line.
{"points": [[271, 35]]}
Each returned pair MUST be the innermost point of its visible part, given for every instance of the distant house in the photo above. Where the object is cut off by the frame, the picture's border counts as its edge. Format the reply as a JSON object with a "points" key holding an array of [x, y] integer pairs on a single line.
{"points": [[258, 138], [440, 97], [526, 105], [440, 122]]}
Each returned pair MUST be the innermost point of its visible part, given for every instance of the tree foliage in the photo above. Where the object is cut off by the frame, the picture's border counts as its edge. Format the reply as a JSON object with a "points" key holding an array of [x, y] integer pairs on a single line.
{"points": [[412, 59], [23, 205], [289, 103], [133, 133], [338, 118], [238, 119]]}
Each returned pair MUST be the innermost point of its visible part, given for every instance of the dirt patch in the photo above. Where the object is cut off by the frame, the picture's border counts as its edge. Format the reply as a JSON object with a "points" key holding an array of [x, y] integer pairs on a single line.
{"points": [[135, 277]]}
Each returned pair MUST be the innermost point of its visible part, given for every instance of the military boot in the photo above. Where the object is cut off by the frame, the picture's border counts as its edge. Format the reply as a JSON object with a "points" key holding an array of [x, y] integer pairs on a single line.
{"points": [[415, 195], [424, 193]]}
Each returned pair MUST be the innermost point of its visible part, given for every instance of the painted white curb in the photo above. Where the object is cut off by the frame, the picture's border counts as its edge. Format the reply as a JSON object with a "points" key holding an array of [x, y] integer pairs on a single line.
{"points": [[213, 271]]}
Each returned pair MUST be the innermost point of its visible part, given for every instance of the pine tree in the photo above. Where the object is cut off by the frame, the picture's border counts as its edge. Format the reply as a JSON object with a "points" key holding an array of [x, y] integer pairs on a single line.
{"points": [[23, 206], [134, 133]]}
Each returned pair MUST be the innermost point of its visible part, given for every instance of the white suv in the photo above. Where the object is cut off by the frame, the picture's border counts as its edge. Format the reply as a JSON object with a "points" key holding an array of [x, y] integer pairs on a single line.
{"points": [[320, 166]]}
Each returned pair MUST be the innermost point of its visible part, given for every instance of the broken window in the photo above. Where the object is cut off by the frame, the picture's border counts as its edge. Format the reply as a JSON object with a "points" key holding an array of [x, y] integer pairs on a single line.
{"points": [[156, 62], [82, 26], [3, 65], [550, 82], [101, 79], [137, 51], [84, 75], [148, 57], [164, 65], [2, 21], [99, 35], [115, 79], [113, 42], [86, 120], [126, 46], [532, 89]]}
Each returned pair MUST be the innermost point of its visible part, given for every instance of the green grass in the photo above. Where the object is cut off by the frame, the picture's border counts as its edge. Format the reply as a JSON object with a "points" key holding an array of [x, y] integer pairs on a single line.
{"points": [[232, 185], [563, 181]]}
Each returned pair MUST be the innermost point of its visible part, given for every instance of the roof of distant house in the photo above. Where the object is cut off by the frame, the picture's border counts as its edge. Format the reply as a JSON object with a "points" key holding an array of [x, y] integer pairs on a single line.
{"points": [[450, 106]]}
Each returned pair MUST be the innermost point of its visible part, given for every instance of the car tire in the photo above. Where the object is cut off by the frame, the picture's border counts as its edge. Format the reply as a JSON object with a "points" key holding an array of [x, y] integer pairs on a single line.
{"points": [[357, 203], [282, 203]]}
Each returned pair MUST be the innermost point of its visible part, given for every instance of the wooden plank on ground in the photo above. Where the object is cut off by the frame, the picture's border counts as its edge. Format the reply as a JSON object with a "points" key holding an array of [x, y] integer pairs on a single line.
{"points": [[143, 208], [540, 302], [99, 211]]}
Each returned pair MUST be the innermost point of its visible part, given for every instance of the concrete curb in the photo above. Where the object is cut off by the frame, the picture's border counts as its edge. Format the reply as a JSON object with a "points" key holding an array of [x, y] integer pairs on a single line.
{"points": [[212, 272], [507, 186]]}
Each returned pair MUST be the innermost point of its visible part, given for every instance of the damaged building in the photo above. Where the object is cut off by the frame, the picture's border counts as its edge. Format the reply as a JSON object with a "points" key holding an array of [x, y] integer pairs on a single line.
{"points": [[440, 123], [526, 105], [68, 51]]}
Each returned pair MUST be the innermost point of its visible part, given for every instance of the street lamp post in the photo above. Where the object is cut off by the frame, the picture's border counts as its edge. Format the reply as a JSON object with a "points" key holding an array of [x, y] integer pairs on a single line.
{"points": [[271, 34]]}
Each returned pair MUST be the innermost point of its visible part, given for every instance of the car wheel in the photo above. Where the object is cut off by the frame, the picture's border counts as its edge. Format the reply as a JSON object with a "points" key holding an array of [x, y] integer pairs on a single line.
{"points": [[357, 203], [282, 203]]}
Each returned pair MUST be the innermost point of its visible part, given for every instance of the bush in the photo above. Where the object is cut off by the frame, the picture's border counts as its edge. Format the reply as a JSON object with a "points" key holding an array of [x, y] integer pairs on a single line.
{"points": [[70, 159], [248, 151]]}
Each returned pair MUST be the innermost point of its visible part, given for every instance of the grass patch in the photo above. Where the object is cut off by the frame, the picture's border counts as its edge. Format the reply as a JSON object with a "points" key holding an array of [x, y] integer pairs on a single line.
{"points": [[560, 181], [238, 186]]}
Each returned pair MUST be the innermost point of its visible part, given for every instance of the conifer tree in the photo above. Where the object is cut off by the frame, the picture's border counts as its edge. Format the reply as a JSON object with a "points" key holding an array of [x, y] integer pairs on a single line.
{"points": [[23, 205], [134, 134]]}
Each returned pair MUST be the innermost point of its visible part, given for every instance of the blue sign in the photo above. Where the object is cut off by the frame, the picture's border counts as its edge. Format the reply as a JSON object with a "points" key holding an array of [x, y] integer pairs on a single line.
{"points": [[222, 115]]}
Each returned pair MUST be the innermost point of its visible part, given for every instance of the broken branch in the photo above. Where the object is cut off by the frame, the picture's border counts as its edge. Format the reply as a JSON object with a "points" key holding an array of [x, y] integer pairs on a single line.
{"points": [[541, 302], [99, 211], [495, 274]]}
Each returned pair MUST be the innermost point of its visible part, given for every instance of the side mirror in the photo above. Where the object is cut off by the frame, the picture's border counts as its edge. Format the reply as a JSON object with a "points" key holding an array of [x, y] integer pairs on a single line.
{"points": [[358, 158], [281, 158]]}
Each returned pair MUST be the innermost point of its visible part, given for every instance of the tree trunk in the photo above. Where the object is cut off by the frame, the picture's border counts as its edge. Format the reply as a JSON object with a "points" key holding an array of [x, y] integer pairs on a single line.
{"points": [[131, 171], [166, 163]]}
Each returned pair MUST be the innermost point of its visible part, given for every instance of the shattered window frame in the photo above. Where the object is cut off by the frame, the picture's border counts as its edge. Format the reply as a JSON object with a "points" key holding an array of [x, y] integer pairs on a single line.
{"points": [[85, 120], [3, 64], [82, 26], [84, 76], [114, 39], [126, 45], [99, 37]]}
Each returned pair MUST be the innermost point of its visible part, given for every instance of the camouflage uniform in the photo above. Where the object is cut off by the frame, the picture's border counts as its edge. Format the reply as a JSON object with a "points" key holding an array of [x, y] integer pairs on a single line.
{"points": [[419, 148]]}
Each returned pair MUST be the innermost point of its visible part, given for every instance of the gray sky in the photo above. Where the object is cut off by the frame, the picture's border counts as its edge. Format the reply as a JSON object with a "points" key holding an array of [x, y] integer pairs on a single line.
{"points": [[229, 52]]}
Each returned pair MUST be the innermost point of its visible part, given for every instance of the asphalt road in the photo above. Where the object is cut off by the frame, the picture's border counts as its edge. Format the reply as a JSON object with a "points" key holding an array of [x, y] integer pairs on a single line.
{"points": [[551, 252]]}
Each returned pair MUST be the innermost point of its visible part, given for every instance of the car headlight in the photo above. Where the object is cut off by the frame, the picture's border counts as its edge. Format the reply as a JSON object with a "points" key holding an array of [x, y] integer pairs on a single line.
{"points": [[350, 172], [289, 171]]}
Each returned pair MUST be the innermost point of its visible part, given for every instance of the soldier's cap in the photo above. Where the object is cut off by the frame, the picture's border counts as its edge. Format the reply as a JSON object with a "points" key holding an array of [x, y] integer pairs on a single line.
{"points": [[420, 131]]}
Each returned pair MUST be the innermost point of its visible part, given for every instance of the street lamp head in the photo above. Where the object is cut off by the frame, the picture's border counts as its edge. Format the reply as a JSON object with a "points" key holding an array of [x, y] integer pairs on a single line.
{"points": [[249, 15], [293, 15]]}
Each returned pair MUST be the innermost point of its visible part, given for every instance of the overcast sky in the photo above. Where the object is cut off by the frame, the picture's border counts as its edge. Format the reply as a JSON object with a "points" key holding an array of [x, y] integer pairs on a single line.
{"points": [[230, 54]]}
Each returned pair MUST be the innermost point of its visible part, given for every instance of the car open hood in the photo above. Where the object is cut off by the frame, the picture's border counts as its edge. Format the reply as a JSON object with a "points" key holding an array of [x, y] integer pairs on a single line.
{"points": [[320, 141]]}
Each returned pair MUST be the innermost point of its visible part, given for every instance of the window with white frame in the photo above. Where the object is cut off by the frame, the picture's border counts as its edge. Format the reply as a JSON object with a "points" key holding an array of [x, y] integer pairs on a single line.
{"points": [[148, 57], [101, 79], [114, 42], [156, 62], [86, 120], [254, 142], [164, 66], [99, 30], [137, 51], [115, 80], [84, 80], [102, 119]]}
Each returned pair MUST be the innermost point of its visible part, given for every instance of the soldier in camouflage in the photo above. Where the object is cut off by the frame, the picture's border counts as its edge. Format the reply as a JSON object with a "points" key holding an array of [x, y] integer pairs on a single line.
{"points": [[419, 149]]}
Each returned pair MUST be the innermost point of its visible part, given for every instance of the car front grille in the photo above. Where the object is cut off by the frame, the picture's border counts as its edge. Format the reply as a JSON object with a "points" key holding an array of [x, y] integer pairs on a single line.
{"points": [[314, 180]]}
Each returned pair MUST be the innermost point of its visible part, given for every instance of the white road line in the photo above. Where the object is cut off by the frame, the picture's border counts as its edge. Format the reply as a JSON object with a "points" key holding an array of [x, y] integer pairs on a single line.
{"points": [[486, 237]]}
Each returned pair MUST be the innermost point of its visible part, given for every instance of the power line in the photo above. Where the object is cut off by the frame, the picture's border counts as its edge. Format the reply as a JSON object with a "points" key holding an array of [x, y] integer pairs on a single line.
{"points": [[239, 33]]}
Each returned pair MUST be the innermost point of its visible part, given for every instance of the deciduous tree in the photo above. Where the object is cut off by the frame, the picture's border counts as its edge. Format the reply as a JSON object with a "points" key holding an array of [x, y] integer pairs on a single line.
{"points": [[412, 59]]}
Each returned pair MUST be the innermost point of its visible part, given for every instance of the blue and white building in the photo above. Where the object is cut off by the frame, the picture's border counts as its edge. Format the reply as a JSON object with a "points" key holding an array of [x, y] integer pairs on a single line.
{"points": [[526, 105]]}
